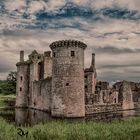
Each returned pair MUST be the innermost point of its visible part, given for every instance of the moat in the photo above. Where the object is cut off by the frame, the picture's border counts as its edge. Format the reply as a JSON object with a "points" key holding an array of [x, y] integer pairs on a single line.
{"points": [[30, 117]]}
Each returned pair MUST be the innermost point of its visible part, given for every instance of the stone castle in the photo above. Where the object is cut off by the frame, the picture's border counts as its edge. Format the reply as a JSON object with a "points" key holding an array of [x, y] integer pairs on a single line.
{"points": [[57, 82]]}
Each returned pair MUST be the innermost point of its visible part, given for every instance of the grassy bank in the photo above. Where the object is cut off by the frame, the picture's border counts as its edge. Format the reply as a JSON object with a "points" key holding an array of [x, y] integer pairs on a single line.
{"points": [[4, 99], [59, 130]]}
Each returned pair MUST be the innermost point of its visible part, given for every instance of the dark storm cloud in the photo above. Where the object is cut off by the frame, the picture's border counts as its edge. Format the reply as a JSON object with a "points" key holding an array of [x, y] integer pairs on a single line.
{"points": [[115, 50], [5, 67], [137, 33], [112, 33], [119, 13], [41, 13], [120, 66], [113, 77]]}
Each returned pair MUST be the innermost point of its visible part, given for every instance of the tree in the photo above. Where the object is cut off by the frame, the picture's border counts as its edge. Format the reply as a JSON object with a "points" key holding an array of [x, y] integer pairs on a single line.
{"points": [[11, 80], [12, 77], [8, 86]]}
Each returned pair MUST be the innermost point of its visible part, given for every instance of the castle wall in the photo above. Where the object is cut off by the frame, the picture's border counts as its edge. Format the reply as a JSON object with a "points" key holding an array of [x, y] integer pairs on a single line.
{"points": [[31, 75], [36, 70], [46, 92], [114, 97], [104, 96], [90, 82], [98, 108], [89, 87], [137, 105], [22, 86], [136, 96], [47, 65], [112, 107], [127, 96], [41, 98]]}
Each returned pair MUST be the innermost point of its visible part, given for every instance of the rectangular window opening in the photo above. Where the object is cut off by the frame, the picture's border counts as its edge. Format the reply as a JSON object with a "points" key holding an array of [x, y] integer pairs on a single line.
{"points": [[115, 100], [72, 53], [86, 88], [67, 84], [20, 89], [85, 76]]}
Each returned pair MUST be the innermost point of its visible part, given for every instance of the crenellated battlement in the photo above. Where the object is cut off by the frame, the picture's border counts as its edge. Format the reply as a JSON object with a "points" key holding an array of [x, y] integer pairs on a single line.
{"points": [[68, 43]]}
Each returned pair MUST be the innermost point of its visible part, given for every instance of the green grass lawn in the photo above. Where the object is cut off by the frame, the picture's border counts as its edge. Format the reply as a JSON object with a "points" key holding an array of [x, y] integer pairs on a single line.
{"points": [[4, 98], [61, 130]]}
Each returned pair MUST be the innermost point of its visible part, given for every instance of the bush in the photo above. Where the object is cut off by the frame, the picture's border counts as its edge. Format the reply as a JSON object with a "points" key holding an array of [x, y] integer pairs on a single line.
{"points": [[7, 87]]}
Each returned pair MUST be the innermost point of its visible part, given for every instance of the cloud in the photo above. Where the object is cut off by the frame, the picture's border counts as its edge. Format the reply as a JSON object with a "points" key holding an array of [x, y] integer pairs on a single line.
{"points": [[53, 5], [15, 5], [101, 4], [36, 6], [115, 50], [110, 28]]}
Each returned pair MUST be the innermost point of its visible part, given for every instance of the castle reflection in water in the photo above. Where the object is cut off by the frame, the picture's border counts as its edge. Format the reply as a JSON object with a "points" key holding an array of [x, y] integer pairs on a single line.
{"points": [[31, 117]]}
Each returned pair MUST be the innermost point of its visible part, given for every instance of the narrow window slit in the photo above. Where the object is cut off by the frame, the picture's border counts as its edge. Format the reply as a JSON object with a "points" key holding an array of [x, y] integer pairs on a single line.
{"points": [[20, 89]]}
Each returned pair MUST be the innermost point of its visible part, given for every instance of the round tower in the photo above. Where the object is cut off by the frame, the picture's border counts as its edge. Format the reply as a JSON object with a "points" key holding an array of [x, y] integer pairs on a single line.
{"points": [[22, 85], [68, 97]]}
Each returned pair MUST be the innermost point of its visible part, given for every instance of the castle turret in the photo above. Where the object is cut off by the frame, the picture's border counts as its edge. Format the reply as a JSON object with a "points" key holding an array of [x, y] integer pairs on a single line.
{"points": [[21, 56], [90, 81], [22, 88], [36, 73], [68, 96], [93, 61]]}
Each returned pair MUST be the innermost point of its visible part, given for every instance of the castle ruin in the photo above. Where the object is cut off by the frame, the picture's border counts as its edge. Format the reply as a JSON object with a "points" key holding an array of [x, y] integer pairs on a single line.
{"points": [[57, 82]]}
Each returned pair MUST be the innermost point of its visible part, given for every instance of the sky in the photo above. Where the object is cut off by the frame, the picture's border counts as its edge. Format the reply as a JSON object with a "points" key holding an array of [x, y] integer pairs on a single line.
{"points": [[110, 28]]}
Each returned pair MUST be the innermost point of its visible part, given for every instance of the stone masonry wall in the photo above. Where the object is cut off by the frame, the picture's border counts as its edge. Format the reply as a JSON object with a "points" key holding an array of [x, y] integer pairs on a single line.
{"points": [[90, 109], [68, 81], [127, 96], [42, 94], [22, 88], [47, 65]]}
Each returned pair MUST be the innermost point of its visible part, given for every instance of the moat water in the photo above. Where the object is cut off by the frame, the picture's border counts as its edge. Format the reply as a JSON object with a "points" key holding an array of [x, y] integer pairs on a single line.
{"points": [[30, 117]]}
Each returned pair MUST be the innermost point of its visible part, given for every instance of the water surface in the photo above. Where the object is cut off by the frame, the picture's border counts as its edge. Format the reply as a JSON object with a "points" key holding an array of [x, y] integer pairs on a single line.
{"points": [[30, 117]]}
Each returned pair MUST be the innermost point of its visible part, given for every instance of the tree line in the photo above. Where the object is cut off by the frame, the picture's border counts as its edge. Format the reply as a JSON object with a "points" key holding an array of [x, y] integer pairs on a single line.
{"points": [[8, 86]]}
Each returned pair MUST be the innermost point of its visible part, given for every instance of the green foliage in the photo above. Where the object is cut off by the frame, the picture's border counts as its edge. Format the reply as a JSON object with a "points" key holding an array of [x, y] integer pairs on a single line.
{"points": [[8, 86], [5, 98], [62, 130], [12, 77]]}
